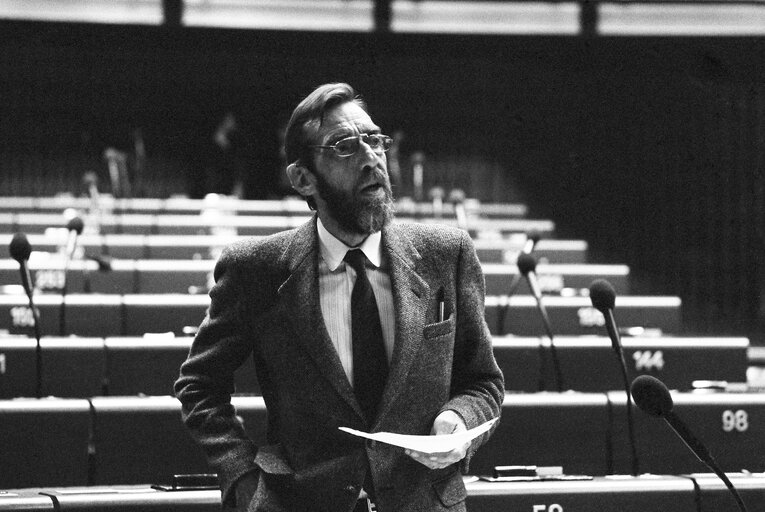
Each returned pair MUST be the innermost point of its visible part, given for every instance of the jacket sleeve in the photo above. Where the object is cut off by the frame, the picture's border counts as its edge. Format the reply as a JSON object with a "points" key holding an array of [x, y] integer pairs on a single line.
{"points": [[477, 382], [206, 381]]}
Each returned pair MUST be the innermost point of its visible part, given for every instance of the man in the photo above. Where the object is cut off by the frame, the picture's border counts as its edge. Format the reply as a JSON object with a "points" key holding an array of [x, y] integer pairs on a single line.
{"points": [[418, 360]]}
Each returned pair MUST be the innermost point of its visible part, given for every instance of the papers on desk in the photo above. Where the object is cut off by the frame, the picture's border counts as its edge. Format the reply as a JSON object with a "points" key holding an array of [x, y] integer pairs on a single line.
{"points": [[425, 444]]}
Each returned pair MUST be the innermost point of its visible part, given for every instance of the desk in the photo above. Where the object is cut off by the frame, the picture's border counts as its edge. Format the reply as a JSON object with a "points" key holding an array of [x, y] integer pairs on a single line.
{"points": [[731, 426], [590, 364], [84, 367], [491, 250], [217, 223], [134, 315], [519, 315], [287, 206], [45, 442], [195, 276], [649, 493], [128, 440]]}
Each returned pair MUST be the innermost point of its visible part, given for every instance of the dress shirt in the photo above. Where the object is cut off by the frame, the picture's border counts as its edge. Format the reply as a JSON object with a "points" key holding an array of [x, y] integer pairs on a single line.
{"points": [[336, 280]]}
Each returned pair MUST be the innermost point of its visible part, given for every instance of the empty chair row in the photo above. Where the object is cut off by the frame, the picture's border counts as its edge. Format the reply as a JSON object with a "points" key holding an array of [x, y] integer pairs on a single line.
{"points": [[645, 493], [222, 223], [195, 276], [85, 367], [287, 206], [131, 440], [135, 314], [135, 247]]}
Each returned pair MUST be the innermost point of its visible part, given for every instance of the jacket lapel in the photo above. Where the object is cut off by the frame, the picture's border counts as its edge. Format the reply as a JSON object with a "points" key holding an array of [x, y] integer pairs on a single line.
{"points": [[300, 293], [410, 293]]}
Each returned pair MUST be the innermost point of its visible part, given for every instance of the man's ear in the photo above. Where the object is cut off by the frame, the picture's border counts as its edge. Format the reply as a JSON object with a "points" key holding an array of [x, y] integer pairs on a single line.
{"points": [[301, 179]]}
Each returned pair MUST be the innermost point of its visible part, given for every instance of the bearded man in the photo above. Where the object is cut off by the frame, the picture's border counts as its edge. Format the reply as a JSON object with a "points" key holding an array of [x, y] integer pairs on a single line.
{"points": [[353, 320]]}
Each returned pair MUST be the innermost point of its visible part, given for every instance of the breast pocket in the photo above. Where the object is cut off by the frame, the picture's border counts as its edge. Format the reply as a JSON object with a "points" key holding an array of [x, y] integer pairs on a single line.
{"points": [[439, 329]]}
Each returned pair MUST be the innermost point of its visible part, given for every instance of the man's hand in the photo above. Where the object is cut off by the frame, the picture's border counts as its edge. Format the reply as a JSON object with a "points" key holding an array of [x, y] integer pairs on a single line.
{"points": [[245, 490], [448, 422]]}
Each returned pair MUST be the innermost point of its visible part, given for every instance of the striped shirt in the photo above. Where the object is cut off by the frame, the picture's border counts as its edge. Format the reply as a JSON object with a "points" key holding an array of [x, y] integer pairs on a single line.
{"points": [[336, 280]]}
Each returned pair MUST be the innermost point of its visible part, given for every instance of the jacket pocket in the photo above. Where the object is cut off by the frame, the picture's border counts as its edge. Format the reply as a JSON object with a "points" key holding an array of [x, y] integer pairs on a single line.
{"points": [[450, 489], [270, 458], [439, 328]]}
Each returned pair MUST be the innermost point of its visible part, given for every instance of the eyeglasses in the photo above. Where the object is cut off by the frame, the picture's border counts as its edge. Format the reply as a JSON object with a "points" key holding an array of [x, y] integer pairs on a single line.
{"points": [[349, 145]]}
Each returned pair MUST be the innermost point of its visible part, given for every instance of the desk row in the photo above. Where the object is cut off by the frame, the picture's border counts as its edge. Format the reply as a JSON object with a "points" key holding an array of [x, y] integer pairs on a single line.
{"points": [[85, 367], [221, 223], [133, 315], [136, 247], [196, 276], [287, 206], [130, 440], [618, 493]]}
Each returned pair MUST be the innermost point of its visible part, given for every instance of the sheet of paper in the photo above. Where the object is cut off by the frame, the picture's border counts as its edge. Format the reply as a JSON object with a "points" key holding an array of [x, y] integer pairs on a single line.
{"points": [[425, 444]]}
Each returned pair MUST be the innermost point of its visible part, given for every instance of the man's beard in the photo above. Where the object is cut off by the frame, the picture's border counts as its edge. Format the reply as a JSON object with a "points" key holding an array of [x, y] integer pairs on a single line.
{"points": [[357, 214]]}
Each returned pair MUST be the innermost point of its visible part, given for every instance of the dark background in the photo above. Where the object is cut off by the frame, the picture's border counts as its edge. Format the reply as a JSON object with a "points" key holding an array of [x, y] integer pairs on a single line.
{"points": [[651, 149]]}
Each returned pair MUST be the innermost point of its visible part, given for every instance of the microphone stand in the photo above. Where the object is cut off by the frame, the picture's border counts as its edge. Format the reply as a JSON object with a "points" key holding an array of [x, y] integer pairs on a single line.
{"points": [[617, 346], [36, 325]]}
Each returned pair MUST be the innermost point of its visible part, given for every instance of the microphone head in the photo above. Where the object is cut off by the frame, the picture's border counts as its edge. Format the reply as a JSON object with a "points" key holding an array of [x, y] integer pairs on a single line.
{"points": [[526, 263], [418, 157], [436, 193], [534, 236], [651, 395], [457, 196], [75, 224], [602, 295], [20, 248]]}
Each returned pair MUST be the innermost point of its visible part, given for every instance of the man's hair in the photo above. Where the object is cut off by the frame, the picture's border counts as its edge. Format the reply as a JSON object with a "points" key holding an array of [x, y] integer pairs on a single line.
{"points": [[297, 138]]}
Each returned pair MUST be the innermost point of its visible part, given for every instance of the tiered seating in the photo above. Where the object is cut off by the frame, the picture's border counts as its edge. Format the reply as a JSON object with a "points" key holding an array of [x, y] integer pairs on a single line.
{"points": [[156, 257]]}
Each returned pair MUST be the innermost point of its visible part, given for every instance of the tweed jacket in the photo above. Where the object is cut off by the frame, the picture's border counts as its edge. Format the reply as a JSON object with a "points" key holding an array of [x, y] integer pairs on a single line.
{"points": [[265, 304]]}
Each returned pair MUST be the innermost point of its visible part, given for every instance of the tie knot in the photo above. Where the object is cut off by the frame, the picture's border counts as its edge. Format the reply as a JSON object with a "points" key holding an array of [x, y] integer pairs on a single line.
{"points": [[356, 259]]}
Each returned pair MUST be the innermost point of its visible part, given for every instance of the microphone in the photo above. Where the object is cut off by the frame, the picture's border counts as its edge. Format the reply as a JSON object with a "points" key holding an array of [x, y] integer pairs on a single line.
{"points": [[75, 227], [532, 238], [603, 298], [20, 249], [457, 198], [527, 265], [437, 196], [418, 159], [653, 398]]}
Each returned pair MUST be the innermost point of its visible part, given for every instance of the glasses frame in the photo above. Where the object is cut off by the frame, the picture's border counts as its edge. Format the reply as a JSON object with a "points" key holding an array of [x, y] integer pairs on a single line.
{"points": [[362, 137]]}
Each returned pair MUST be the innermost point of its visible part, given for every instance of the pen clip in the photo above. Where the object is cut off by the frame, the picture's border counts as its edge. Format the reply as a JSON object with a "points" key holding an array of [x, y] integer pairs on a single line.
{"points": [[441, 305]]}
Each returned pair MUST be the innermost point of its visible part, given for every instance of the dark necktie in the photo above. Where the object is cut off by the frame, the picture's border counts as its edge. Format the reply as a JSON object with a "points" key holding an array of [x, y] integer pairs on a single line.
{"points": [[370, 363]]}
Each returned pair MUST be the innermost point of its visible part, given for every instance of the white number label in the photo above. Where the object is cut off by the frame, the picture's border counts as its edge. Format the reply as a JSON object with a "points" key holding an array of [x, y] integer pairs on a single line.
{"points": [[735, 420], [547, 508], [646, 360], [49, 279], [590, 317], [21, 316]]}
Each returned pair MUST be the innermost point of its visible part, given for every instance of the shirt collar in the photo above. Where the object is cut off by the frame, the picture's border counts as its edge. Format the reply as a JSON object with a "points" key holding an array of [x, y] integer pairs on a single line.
{"points": [[333, 250]]}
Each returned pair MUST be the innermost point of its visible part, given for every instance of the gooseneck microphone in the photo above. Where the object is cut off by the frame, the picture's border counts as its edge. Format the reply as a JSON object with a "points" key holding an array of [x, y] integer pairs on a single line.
{"points": [[418, 159], [603, 299], [75, 227], [20, 249], [653, 398], [532, 238], [436, 195], [457, 198], [527, 265]]}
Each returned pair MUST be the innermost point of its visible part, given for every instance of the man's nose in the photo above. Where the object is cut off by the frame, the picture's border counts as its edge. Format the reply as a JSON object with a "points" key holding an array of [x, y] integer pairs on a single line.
{"points": [[369, 155]]}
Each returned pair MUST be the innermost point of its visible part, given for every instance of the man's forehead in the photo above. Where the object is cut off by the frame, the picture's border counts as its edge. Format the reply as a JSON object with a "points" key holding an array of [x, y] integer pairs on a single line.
{"points": [[346, 117]]}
